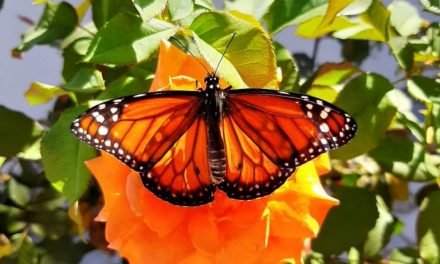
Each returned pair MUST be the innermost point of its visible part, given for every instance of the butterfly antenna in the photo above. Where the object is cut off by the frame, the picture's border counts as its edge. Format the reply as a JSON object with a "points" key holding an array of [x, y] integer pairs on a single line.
{"points": [[187, 50], [224, 52]]}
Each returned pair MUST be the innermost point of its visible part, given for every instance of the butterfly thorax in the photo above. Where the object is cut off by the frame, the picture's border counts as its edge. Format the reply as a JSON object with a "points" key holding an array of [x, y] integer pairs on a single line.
{"points": [[213, 113]]}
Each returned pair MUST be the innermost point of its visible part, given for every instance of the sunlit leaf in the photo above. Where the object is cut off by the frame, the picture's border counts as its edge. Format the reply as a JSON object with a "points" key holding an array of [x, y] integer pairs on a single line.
{"points": [[104, 10], [365, 98], [350, 222], [127, 39], [180, 8], [149, 8], [431, 5], [256, 66], [19, 193], [57, 22], [17, 131], [73, 55], [289, 70], [313, 28], [424, 89], [428, 229], [125, 86], [25, 250], [6, 248], [402, 51], [405, 18], [86, 80], [255, 8], [82, 9], [334, 7], [205, 3], [404, 255], [378, 17], [64, 156], [226, 69], [379, 236], [356, 7], [284, 13], [40, 93], [327, 79], [405, 158]]}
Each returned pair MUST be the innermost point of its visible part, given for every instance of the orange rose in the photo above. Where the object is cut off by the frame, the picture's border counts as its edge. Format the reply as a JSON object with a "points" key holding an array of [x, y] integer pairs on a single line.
{"points": [[146, 229]]}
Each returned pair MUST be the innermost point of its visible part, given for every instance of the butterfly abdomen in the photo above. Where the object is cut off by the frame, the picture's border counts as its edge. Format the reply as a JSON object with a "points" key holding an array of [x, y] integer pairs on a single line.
{"points": [[216, 148]]}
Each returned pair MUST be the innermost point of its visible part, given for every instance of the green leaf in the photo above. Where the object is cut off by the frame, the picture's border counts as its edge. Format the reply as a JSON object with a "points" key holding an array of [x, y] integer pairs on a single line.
{"points": [[86, 80], [289, 70], [180, 8], [250, 53], [334, 7], [402, 51], [324, 83], [40, 93], [428, 229], [125, 86], [380, 235], [405, 18], [64, 156], [149, 8], [19, 193], [255, 8], [26, 252], [313, 28], [424, 89], [57, 22], [17, 131], [127, 39], [355, 8], [284, 13], [404, 255], [226, 69], [394, 149], [349, 223], [104, 10], [207, 4], [436, 121], [378, 17], [432, 6], [365, 98], [73, 55], [54, 251]]}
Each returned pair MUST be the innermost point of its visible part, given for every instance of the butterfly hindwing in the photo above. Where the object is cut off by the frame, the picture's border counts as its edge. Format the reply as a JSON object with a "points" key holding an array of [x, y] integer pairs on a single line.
{"points": [[272, 133], [182, 175]]}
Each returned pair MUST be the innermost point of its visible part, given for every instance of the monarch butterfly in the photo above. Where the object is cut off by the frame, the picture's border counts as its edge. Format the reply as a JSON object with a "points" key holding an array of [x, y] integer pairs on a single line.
{"points": [[185, 144]]}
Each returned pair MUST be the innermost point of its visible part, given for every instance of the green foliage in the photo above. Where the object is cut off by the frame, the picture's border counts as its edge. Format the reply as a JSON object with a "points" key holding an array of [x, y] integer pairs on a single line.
{"points": [[349, 223], [19, 137], [116, 54], [57, 22], [66, 172]]}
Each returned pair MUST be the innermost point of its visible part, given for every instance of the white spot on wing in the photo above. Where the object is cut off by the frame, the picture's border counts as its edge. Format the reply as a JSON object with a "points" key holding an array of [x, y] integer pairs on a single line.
{"points": [[103, 130], [324, 128]]}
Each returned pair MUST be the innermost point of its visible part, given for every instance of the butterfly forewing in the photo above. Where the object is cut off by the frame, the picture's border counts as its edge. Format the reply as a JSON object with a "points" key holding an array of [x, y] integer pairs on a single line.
{"points": [[139, 129]]}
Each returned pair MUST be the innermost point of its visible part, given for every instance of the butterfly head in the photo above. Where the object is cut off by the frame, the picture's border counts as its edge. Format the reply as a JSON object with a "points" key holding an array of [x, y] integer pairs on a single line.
{"points": [[212, 82]]}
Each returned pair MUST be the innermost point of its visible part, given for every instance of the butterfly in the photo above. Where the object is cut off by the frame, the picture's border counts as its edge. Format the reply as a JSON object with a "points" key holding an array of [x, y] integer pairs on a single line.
{"points": [[185, 144]]}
